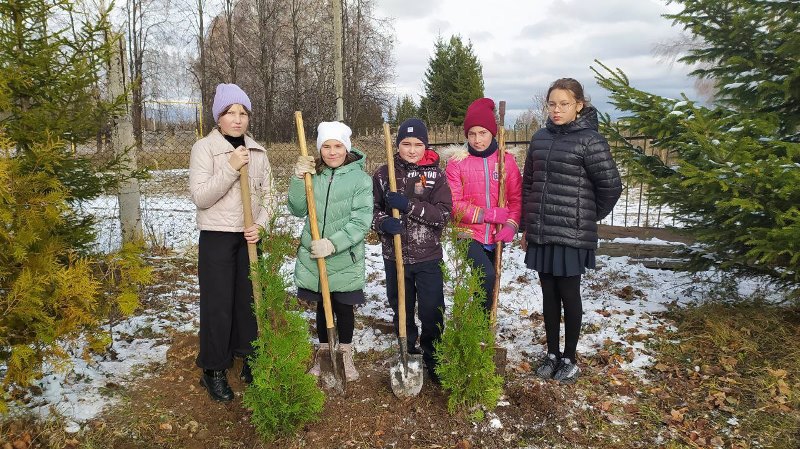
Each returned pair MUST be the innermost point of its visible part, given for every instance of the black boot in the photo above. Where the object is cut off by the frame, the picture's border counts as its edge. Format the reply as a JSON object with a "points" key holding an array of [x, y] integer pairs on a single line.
{"points": [[216, 382], [247, 374], [433, 376]]}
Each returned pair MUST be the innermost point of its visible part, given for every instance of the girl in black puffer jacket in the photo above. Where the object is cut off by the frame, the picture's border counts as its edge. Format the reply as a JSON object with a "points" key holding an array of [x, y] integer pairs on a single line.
{"points": [[569, 183]]}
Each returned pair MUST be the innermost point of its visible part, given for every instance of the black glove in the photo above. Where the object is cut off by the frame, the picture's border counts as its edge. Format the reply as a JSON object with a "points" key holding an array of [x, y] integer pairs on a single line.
{"points": [[391, 226], [398, 201]]}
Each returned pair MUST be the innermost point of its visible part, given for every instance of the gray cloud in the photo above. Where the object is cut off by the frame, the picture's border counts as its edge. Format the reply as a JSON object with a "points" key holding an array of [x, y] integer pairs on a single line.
{"points": [[405, 9], [521, 56], [481, 36], [439, 27]]}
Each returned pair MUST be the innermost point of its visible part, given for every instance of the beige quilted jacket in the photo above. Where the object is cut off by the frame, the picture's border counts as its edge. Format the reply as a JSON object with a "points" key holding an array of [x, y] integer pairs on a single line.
{"points": [[214, 184]]}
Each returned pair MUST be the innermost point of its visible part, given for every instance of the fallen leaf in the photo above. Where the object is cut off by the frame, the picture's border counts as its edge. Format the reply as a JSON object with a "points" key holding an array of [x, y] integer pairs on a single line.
{"points": [[605, 406], [662, 367], [166, 427], [72, 442], [19, 444], [779, 373], [378, 433], [524, 367], [676, 415], [464, 444]]}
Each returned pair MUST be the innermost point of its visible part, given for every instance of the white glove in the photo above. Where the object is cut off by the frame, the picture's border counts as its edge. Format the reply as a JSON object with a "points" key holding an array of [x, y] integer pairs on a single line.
{"points": [[321, 248], [304, 164]]}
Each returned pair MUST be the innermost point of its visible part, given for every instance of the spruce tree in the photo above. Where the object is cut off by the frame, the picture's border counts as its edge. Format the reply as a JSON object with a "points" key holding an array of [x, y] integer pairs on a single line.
{"points": [[405, 109], [51, 287], [732, 175], [453, 80]]}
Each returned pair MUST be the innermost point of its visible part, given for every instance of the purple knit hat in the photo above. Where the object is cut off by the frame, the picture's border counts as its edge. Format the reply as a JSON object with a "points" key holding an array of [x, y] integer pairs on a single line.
{"points": [[228, 94]]}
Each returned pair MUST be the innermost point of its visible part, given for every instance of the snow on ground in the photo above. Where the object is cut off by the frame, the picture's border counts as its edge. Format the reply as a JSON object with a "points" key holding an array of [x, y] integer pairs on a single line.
{"points": [[82, 392]]}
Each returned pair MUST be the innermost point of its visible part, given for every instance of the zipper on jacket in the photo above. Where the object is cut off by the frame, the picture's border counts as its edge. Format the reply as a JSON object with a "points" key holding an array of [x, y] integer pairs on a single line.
{"points": [[488, 197], [352, 256], [546, 185], [327, 195]]}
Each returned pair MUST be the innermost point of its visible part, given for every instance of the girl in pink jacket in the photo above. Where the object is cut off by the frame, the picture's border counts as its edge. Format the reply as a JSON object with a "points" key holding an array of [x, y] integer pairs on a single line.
{"points": [[474, 181]]}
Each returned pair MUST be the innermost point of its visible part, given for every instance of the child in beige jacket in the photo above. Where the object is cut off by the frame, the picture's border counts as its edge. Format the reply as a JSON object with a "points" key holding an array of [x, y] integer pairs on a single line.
{"points": [[227, 321]]}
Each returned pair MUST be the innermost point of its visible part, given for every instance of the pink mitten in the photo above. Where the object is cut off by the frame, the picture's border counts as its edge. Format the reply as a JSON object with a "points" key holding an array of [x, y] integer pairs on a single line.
{"points": [[497, 215], [506, 234]]}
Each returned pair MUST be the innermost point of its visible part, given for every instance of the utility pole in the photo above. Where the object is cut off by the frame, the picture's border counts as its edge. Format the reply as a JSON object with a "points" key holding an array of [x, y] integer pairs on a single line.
{"points": [[337, 59]]}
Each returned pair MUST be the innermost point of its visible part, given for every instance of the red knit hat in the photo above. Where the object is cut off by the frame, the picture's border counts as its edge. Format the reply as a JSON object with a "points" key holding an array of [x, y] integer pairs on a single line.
{"points": [[481, 113]]}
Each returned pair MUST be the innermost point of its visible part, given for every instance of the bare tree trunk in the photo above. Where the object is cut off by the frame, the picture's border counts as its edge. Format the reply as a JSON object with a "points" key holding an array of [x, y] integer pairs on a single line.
{"points": [[125, 148], [337, 60], [204, 120], [229, 9], [296, 52], [136, 45], [268, 29]]}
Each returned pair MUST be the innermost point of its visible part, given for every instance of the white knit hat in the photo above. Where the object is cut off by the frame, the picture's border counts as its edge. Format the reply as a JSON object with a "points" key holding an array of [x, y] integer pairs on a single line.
{"points": [[333, 130]]}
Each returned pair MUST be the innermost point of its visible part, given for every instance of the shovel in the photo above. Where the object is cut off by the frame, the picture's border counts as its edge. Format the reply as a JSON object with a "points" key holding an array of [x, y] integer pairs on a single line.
{"points": [[247, 207], [500, 353], [405, 373], [332, 374]]}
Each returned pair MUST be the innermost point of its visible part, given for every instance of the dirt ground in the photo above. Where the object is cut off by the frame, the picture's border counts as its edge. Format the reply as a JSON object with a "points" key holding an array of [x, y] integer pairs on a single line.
{"points": [[369, 415], [167, 408]]}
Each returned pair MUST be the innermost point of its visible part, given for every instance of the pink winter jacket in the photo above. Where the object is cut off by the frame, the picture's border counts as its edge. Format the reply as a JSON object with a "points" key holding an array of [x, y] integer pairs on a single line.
{"points": [[468, 177], [214, 184]]}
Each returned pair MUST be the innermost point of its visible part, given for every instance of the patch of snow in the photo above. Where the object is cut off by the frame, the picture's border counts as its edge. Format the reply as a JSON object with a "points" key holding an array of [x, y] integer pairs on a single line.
{"points": [[650, 241]]}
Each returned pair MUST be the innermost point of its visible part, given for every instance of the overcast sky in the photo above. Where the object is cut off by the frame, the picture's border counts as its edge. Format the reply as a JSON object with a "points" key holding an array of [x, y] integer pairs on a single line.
{"points": [[524, 45]]}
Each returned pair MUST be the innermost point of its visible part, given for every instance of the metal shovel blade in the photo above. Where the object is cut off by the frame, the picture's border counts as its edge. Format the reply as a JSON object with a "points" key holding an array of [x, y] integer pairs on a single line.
{"points": [[406, 373], [331, 371]]}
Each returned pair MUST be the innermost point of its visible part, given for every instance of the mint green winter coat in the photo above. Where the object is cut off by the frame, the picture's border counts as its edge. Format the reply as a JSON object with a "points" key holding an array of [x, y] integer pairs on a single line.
{"points": [[344, 214]]}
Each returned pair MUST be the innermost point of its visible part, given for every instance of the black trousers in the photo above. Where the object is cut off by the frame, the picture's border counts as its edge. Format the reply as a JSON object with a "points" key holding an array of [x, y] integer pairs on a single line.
{"points": [[424, 286], [344, 318], [558, 291], [227, 320], [483, 259]]}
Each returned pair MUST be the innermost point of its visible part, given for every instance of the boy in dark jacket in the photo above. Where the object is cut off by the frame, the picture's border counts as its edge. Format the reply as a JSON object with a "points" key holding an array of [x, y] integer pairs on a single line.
{"points": [[424, 202]]}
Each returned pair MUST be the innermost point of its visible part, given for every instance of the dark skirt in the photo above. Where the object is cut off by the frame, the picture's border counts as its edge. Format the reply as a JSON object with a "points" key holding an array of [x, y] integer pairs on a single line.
{"points": [[559, 260], [349, 298]]}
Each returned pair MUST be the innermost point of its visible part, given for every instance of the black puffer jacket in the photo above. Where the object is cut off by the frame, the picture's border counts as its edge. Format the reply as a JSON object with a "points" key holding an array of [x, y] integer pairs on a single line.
{"points": [[569, 183]]}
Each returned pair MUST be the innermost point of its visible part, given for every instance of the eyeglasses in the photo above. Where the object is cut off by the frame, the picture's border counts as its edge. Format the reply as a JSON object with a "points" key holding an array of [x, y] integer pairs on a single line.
{"points": [[559, 106]]}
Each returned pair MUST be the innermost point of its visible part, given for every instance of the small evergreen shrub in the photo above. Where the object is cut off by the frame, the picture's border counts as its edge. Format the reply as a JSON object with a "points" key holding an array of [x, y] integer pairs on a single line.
{"points": [[282, 396], [465, 354]]}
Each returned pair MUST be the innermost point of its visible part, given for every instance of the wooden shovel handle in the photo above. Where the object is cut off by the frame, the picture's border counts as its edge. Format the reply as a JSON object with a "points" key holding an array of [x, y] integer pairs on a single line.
{"points": [[501, 202], [398, 244], [312, 218], [252, 253]]}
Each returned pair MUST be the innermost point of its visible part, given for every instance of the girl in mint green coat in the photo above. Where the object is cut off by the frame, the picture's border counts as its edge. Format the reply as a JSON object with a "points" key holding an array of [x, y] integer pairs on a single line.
{"points": [[343, 197]]}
